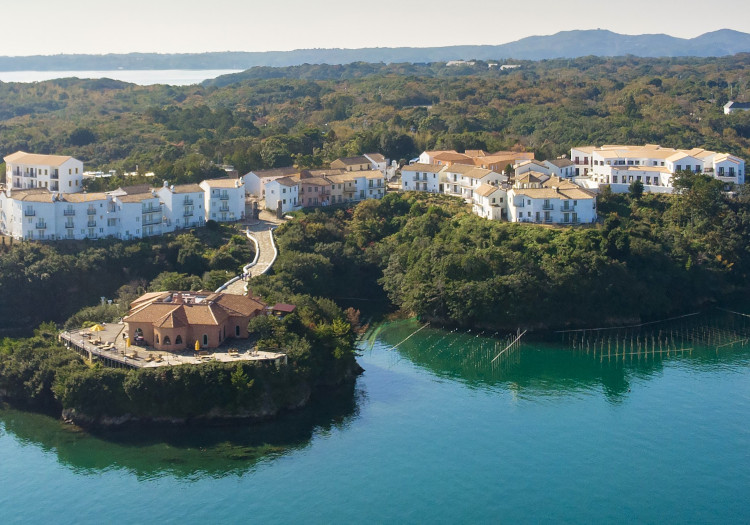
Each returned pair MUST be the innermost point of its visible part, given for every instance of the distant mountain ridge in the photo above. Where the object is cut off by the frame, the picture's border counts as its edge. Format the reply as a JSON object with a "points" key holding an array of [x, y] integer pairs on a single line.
{"points": [[565, 44]]}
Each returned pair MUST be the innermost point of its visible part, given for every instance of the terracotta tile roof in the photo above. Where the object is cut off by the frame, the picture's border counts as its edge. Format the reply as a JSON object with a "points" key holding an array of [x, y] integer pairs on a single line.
{"points": [[429, 168], [32, 195], [187, 188], [485, 190], [287, 181], [375, 157], [83, 197], [283, 307], [176, 309], [562, 163], [275, 172], [137, 197], [221, 183], [453, 156], [21, 157], [351, 161]]}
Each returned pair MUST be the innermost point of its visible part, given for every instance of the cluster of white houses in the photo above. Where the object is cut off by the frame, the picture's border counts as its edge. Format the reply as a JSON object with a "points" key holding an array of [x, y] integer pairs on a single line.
{"points": [[560, 191], [349, 179], [652, 165], [539, 192], [44, 200]]}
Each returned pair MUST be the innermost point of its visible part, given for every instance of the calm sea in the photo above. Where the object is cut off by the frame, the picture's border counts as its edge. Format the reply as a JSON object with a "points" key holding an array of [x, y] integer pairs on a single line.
{"points": [[621, 427], [173, 77]]}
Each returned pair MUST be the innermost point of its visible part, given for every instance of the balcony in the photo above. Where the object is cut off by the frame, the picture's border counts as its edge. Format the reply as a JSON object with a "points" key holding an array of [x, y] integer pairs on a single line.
{"points": [[149, 222], [548, 207], [54, 176], [69, 213], [91, 224], [41, 225], [188, 202], [224, 196], [29, 213], [69, 225], [568, 208], [188, 213], [151, 209], [224, 208], [91, 211]]}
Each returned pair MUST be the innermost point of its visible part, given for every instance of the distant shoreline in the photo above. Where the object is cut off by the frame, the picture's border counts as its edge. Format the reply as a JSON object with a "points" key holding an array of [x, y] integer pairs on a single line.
{"points": [[142, 77]]}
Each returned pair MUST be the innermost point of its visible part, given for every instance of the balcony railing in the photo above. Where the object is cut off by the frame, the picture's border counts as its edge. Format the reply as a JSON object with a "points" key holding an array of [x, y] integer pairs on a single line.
{"points": [[91, 211], [70, 225], [224, 196], [148, 222], [548, 207], [69, 213], [150, 209], [188, 202], [54, 176], [224, 208], [41, 225], [29, 213], [188, 213], [91, 224], [568, 208]]}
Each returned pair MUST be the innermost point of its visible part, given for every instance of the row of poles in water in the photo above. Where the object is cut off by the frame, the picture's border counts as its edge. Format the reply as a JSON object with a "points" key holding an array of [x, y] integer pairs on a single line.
{"points": [[494, 352]]}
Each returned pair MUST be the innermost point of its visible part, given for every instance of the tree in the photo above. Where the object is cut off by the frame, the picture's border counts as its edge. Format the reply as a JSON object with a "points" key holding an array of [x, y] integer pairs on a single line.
{"points": [[81, 137], [636, 189]]}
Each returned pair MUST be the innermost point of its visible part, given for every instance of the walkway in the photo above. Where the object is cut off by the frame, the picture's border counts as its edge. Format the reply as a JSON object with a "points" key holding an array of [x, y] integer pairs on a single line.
{"points": [[261, 230]]}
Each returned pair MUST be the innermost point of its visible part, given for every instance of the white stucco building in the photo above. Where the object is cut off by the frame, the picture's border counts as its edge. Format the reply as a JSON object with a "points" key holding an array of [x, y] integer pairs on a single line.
{"points": [[421, 177], [52, 172], [284, 190], [182, 206], [224, 199], [490, 202]]}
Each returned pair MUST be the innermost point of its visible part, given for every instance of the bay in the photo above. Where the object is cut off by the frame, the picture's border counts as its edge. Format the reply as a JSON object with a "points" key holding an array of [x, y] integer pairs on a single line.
{"points": [[565, 429], [173, 77]]}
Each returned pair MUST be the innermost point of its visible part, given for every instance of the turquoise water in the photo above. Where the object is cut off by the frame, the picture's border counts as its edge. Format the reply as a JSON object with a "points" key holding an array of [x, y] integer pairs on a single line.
{"points": [[432, 432]]}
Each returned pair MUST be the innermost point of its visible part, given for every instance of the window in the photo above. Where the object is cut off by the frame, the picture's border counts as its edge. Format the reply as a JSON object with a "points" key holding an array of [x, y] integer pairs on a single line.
{"points": [[237, 331], [167, 341], [205, 339], [178, 340], [678, 167], [156, 338]]}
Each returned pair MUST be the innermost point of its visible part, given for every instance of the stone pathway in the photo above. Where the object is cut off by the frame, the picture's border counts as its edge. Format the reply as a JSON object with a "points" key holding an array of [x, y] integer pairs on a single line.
{"points": [[260, 230]]}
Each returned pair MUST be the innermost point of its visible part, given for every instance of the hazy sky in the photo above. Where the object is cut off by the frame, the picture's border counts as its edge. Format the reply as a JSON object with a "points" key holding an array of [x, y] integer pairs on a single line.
{"points": [[32, 27]]}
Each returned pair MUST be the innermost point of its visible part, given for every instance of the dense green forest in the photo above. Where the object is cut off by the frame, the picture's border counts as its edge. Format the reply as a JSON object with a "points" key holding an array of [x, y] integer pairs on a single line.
{"points": [[309, 115], [56, 280]]}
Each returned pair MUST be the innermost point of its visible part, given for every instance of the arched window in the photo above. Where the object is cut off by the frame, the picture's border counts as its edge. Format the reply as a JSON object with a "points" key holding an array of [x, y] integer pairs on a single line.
{"points": [[237, 331], [205, 339], [157, 338], [167, 341], [178, 340]]}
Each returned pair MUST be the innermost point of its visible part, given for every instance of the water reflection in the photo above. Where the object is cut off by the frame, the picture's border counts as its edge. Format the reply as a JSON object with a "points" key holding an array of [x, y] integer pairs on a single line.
{"points": [[186, 452], [571, 363]]}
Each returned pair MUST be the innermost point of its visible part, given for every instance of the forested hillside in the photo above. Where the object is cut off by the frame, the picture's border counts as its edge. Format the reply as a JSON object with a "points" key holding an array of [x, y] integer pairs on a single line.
{"points": [[309, 115], [652, 257]]}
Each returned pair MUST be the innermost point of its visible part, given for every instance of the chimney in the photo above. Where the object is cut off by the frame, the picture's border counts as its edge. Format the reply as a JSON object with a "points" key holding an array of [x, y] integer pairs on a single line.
{"points": [[165, 184], [177, 298]]}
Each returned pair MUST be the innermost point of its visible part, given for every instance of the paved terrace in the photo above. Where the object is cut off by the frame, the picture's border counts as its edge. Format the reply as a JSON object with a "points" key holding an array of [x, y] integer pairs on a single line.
{"points": [[109, 348]]}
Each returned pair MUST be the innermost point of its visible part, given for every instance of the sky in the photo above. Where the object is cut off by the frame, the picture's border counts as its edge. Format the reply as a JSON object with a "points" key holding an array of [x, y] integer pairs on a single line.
{"points": [[48, 27]]}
